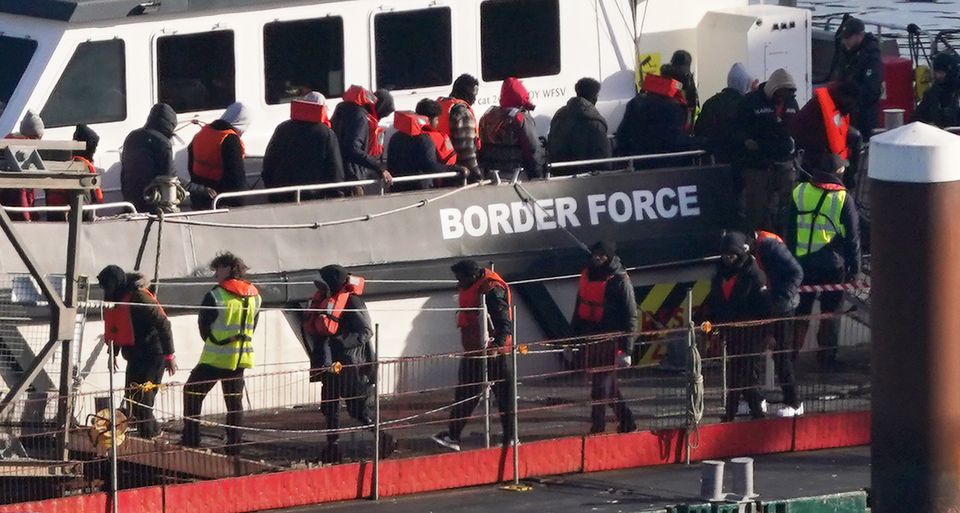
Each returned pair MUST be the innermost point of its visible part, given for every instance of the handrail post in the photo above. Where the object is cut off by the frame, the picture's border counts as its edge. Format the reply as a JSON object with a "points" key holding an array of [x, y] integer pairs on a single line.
{"points": [[484, 341], [515, 400], [691, 385], [376, 413]]}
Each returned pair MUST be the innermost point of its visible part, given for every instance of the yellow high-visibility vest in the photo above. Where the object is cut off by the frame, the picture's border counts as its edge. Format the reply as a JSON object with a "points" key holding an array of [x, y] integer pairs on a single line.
{"points": [[818, 217]]}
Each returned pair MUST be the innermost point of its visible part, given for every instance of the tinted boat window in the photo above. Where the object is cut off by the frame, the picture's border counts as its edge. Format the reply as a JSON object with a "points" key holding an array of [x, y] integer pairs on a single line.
{"points": [[303, 56], [519, 38], [413, 49], [196, 71], [15, 55], [92, 89]]}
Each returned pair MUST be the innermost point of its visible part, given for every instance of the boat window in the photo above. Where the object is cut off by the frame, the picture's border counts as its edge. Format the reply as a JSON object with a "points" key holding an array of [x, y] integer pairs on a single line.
{"points": [[82, 96], [302, 56], [196, 71], [15, 55], [519, 38], [413, 49]]}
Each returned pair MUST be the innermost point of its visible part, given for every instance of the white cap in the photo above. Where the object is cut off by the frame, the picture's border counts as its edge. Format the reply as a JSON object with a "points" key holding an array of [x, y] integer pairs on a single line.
{"points": [[915, 153], [314, 97]]}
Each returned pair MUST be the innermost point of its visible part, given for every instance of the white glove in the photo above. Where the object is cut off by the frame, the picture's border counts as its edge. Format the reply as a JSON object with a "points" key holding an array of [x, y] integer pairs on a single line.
{"points": [[623, 360]]}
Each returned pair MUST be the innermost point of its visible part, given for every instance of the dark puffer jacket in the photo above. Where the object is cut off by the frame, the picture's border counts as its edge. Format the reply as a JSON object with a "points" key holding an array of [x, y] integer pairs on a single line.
{"points": [[350, 123], [302, 153], [784, 274], [716, 121], [863, 65], [147, 154], [760, 121], [653, 123], [353, 343], [619, 313], [578, 132]]}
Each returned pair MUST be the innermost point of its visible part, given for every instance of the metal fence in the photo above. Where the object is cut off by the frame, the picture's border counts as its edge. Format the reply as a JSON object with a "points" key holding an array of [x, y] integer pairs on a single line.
{"points": [[554, 386]]}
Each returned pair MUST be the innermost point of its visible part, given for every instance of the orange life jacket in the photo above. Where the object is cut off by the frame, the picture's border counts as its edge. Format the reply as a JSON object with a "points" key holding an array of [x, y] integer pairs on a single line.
{"points": [[327, 322], [207, 156], [590, 296], [309, 111], [835, 124], [359, 96], [469, 321], [664, 86], [446, 105], [762, 236], [118, 324], [446, 154], [59, 198], [414, 125]]}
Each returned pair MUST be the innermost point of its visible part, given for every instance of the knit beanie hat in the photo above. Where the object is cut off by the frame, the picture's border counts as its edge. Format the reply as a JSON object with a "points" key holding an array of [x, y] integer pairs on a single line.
{"points": [[778, 80], [238, 116], [607, 247], [31, 126]]}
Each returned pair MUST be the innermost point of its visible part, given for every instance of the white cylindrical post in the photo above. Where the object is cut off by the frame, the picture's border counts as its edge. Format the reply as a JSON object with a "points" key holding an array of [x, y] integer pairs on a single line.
{"points": [[893, 118], [915, 200], [711, 481], [742, 469]]}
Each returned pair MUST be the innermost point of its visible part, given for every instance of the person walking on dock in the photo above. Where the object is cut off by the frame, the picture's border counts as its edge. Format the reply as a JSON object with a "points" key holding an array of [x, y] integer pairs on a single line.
{"points": [[137, 328], [227, 324]]}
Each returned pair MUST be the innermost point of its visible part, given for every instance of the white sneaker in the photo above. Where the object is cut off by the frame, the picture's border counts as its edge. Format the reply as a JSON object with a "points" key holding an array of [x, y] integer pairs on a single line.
{"points": [[790, 411], [744, 409], [447, 441]]}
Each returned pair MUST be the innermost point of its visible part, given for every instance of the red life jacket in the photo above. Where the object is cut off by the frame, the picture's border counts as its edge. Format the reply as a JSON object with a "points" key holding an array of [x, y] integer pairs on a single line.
{"points": [[409, 123], [590, 296], [310, 112], [327, 322], [835, 125], [60, 198], [117, 323], [762, 236], [469, 321], [664, 86], [446, 105], [359, 96], [207, 156], [728, 286], [446, 154], [415, 125]]}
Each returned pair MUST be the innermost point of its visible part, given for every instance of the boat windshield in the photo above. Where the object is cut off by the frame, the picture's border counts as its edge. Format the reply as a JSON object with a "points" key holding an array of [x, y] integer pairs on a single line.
{"points": [[15, 55]]}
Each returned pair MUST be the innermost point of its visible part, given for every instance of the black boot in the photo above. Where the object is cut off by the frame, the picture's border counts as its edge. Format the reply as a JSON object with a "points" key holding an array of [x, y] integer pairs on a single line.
{"points": [[331, 454], [387, 445]]}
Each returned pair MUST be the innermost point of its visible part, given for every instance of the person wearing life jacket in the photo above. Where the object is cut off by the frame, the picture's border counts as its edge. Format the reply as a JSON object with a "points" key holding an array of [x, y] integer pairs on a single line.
{"points": [[419, 148], [60, 198], [822, 127], [508, 134], [303, 150], [738, 293], [356, 121], [227, 324], [824, 234], [479, 287], [682, 62], [655, 121], [764, 151], [31, 127], [215, 157], [606, 304], [340, 334], [137, 328], [784, 276], [459, 122]]}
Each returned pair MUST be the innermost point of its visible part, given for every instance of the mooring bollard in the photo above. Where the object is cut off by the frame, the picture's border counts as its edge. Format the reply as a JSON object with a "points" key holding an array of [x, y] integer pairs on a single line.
{"points": [[742, 478], [711, 481], [893, 118]]}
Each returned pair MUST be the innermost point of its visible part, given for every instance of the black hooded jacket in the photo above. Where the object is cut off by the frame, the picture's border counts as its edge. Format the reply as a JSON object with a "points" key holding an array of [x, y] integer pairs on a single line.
{"points": [[940, 105], [349, 122], [716, 121], [302, 153], [863, 65], [747, 300], [619, 307], [578, 132], [353, 343], [152, 334], [654, 124], [147, 154]]}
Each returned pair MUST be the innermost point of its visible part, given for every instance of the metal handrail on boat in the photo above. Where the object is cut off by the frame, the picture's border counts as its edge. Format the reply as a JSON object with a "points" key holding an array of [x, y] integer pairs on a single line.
{"points": [[125, 205], [629, 159], [299, 189]]}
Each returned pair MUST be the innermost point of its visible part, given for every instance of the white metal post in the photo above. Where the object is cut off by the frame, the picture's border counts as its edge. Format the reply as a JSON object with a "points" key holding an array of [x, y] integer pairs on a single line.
{"points": [[113, 433], [376, 413], [485, 337]]}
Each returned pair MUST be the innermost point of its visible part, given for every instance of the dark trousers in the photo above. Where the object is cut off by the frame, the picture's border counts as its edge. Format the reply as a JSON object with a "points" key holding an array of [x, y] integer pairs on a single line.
{"points": [[139, 399], [355, 389], [783, 357], [202, 379], [606, 392], [470, 391], [767, 194], [828, 337], [744, 346]]}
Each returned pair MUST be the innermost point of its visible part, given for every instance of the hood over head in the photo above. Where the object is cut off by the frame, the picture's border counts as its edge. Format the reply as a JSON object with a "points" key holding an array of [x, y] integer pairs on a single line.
{"points": [[357, 95], [734, 243], [238, 116], [83, 133], [513, 95], [163, 119], [779, 79], [31, 126], [333, 277], [384, 103], [739, 79]]}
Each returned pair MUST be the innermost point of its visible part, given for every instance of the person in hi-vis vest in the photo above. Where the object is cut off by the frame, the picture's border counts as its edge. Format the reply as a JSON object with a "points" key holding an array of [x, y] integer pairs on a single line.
{"points": [[227, 323], [137, 328]]}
